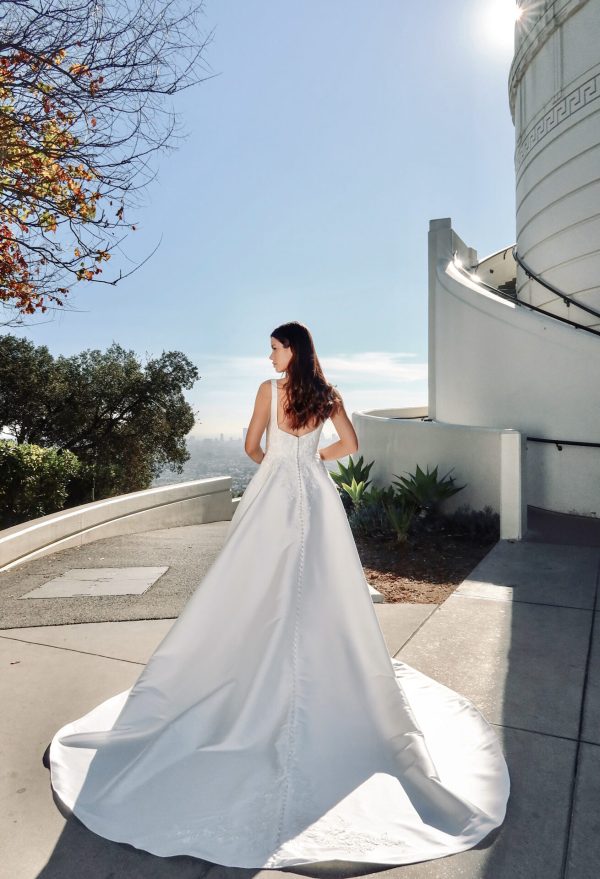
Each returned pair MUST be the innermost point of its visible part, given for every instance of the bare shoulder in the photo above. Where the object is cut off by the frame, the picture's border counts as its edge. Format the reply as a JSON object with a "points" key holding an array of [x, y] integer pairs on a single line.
{"points": [[263, 393]]}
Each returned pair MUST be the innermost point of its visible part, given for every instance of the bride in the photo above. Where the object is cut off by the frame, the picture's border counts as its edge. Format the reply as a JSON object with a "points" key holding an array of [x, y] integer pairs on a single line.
{"points": [[271, 727]]}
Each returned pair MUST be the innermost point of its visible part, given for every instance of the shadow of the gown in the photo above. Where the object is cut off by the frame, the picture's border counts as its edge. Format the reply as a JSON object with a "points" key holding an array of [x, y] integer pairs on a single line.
{"points": [[81, 852]]}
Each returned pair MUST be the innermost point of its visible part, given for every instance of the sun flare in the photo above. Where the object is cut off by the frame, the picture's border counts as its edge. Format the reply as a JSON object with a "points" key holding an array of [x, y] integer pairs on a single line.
{"points": [[496, 25]]}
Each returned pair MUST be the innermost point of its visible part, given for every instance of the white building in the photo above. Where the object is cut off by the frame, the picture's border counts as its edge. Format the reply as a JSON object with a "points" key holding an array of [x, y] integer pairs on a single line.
{"points": [[514, 347]]}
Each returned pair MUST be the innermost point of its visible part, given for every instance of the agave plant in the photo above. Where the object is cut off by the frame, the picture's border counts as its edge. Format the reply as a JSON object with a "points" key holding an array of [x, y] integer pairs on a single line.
{"points": [[377, 494], [425, 489], [382, 513], [356, 491], [354, 470], [400, 509]]}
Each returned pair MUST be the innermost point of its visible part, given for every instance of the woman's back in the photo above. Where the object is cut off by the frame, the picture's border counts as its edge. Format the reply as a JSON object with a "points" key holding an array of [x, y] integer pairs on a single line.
{"points": [[281, 397]]}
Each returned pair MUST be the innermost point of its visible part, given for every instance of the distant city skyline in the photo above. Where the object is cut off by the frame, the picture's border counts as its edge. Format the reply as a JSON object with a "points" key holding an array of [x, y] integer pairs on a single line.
{"points": [[366, 380]]}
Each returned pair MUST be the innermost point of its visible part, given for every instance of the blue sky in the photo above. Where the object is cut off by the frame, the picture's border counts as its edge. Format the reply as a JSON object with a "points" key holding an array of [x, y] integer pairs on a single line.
{"points": [[313, 162]]}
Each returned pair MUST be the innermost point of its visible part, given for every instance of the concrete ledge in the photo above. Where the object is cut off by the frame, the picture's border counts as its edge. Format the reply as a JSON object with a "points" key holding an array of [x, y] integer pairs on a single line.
{"points": [[185, 503], [416, 412]]}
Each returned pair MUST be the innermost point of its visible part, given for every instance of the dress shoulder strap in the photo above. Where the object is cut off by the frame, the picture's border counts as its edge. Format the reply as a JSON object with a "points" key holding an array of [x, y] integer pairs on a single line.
{"points": [[274, 401]]}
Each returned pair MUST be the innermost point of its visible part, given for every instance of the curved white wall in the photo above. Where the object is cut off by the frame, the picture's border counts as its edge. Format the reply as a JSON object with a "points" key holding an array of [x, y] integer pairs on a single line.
{"points": [[166, 506], [493, 363], [487, 462], [554, 88]]}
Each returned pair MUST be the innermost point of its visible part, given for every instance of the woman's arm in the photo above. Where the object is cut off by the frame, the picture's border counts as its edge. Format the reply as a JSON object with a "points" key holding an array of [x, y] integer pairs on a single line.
{"points": [[348, 441], [258, 422]]}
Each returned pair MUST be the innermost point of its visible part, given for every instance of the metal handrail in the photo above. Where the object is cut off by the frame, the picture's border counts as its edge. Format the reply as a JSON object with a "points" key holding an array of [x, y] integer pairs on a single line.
{"points": [[560, 443], [531, 274], [501, 293]]}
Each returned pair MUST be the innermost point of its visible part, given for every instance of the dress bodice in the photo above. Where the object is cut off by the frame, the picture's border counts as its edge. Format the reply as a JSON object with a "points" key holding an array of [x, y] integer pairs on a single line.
{"points": [[281, 444]]}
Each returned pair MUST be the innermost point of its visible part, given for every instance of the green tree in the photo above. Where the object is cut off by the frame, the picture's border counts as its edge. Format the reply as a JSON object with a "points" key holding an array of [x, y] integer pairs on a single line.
{"points": [[25, 376], [125, 421]]}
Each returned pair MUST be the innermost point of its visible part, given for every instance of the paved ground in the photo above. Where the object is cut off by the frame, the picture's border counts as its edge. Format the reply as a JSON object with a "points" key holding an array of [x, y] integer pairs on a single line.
{"points": [[520, 637], [188, 551]]}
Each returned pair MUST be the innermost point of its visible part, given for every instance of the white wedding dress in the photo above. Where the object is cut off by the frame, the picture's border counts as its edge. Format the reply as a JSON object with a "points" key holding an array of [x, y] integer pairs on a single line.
{"points": [[271, 727]]}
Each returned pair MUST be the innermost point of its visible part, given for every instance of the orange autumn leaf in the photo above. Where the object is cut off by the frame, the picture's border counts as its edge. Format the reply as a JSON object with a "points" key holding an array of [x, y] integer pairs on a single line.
{"points": [[46, 185]]}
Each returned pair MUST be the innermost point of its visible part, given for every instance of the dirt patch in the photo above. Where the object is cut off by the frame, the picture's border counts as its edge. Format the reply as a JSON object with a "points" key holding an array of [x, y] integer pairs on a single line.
{"points": [[426, 569]]}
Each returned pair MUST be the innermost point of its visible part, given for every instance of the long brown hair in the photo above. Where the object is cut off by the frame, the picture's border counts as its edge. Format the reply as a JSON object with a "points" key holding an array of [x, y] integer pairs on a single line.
{"points": [[310, 397]]}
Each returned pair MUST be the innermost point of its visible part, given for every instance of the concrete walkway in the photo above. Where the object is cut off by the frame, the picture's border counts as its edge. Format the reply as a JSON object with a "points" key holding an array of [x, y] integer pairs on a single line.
{"points": [[519, 637], [188, 551]]}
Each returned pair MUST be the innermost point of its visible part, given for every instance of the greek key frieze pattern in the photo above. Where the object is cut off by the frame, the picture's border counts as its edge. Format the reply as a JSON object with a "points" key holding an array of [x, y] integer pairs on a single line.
{"points": [[576, 100]]}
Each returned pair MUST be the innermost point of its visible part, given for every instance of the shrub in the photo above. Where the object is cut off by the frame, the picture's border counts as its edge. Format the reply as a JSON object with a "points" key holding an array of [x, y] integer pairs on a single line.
{"points": [[480, 525], [370, 518], [33, 480], [381, 514]]}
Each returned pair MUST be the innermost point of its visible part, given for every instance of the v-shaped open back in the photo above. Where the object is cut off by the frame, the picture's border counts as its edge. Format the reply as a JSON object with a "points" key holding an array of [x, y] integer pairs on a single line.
{"points": [[274, 408]]}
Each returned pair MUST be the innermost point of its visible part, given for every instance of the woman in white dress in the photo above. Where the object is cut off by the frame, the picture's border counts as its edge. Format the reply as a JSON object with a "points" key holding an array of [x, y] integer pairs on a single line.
{"points": [[271, 727]]}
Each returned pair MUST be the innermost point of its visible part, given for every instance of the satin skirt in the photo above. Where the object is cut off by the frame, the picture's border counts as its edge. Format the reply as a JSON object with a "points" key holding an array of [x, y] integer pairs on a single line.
{"points": [[271, 727]]}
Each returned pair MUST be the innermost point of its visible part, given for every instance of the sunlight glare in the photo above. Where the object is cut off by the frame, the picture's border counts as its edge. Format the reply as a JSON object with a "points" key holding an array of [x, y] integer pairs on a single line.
{"points": [[496, 23]]}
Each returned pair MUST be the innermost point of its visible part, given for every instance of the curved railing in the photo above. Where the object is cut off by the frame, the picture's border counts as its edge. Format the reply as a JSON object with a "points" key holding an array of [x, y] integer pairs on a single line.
{"points": [[508, 290], [538, 279], [503, 267]]}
